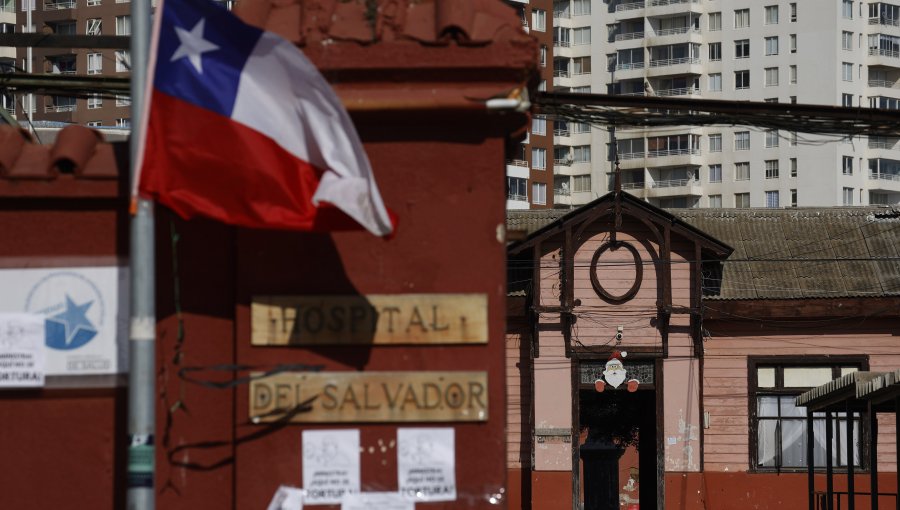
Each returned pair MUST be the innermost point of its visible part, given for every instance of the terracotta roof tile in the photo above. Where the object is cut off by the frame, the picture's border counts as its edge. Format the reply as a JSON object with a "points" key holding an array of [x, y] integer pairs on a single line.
{"points": [[76, 150], [307, 22]]}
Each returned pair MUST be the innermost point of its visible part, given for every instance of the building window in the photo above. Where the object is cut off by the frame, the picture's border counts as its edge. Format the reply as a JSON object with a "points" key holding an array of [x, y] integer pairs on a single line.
{"points": [[793, 12], [793, 99], [582, 35], [793, 198], [793, 167], [741, 18], [715, 142], [581, 90], [581, 154], [539, 125], [123, 123], [847, 71], [742, 171], [94, 101], [715, 201], [742, 200], [93, 123], [792, 71], [848, 196], [581, 65], [715, 173], [771, 76], [94, 63], [772, 199], [847, 9], [847, 100], [542, 86], [538, 193], [581, 183], [742, 140], [123, 61], [771, 15], [847, 166], [793, 38], [847, 40], [580, 127], [770, 100], [772, 45], [538, 158], [27, 5], [538, 20], [741, 80], [581, 7], [123, 100], [543, 55], [715, 21], [715, 82], [771, 169], [742, 48], [123, 25], [779, 427], [517, 189], [94, 26], [772, 138], [715, 52]]}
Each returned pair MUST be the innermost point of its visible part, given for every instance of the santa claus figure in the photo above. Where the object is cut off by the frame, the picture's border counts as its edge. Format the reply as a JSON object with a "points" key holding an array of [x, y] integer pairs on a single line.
{"points": [[615, 375]]}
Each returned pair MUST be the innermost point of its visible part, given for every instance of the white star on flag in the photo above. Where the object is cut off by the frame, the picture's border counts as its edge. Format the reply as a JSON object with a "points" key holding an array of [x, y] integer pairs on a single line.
{"points": [[193, 45]]}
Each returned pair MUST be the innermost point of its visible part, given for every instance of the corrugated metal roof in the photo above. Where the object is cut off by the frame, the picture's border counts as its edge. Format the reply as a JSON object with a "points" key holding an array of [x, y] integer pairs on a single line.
{"points": [[797, 253]]}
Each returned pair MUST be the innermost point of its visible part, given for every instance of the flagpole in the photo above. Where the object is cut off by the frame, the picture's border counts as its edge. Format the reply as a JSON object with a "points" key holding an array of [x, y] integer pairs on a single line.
{"points": [[142, 327]]}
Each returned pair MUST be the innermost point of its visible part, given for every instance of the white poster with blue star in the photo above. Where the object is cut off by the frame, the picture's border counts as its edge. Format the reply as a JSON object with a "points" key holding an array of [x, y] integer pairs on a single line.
{"points": [[85, 313]]}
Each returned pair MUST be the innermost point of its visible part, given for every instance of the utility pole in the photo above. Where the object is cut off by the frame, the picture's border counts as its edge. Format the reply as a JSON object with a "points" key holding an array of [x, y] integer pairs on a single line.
{"points": [[142, 327]]}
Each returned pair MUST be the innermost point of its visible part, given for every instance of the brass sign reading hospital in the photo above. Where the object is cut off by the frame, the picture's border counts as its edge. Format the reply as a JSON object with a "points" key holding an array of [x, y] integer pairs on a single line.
{"points": [[371, 319], [361, 397]]}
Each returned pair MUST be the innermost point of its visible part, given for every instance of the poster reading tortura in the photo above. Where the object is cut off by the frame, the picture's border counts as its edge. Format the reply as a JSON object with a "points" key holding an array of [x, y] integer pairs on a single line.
{"points": [[336, 397]]}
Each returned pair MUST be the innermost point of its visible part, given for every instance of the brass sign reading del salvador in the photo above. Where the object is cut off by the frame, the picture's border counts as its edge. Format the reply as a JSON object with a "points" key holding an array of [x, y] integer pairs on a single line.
{"points": [[371, 319], [371, 397]]}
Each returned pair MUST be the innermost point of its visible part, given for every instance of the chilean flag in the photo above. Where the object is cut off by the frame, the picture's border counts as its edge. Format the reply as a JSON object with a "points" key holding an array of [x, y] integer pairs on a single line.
{"points": [[242, 128]]}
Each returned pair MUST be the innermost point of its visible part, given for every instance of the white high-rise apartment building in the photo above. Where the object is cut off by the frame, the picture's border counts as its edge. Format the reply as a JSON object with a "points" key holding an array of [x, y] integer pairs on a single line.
{"points": [[827, 52]]}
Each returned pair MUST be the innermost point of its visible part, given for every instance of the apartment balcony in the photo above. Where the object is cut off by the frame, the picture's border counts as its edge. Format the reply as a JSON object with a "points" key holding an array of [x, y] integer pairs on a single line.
{"points": [[517, 168], [631, 36], [562, 137], [59, 5], [630, 71], [675, 157], [884, 182], [887, 22], [53, 108], [669, 36], [562, 196], [674, 187], [883, 57], [668, 7], [883, 144], [524, 2], [683, 91], [883, 84], [517, 202], [675, 66], [629, 10]]}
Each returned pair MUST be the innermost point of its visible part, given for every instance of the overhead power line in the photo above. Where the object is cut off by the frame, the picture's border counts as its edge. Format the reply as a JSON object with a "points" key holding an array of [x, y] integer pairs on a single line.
{"points": [[653, 111]]}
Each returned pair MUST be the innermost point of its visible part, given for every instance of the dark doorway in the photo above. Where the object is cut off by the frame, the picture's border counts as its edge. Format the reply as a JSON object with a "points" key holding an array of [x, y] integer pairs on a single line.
{"points": [[618, 449]]}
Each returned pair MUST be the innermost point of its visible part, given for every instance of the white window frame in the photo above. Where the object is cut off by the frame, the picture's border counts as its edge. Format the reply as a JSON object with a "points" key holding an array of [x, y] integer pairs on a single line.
{"points": [[772, 138], [581, 35], [94, 63], [93, 26], [714, 22], [715, 173], [742, 171], [847, 40], [847, 196], [123, 25], [742, 140], [772, 170], [771, 76], [715, 52], [792, 74], [539, 20], [123, 61], [581, 183], [847, 165], [771, 15], [94, 102], [581, 7], [793, 163], [846, 71], [742, 200], [771, 45], [715, 142], [539, 125], [742, 48], [581, 154], [772, 199], [123, 100], [742, 79], [715, 201], [715, 82], [123, 122], [538, 193], [538, 158], [741, 18]]}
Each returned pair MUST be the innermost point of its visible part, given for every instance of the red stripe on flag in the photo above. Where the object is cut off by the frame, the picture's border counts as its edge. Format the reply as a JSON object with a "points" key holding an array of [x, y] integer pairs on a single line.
{"points": [[201, 163]]}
